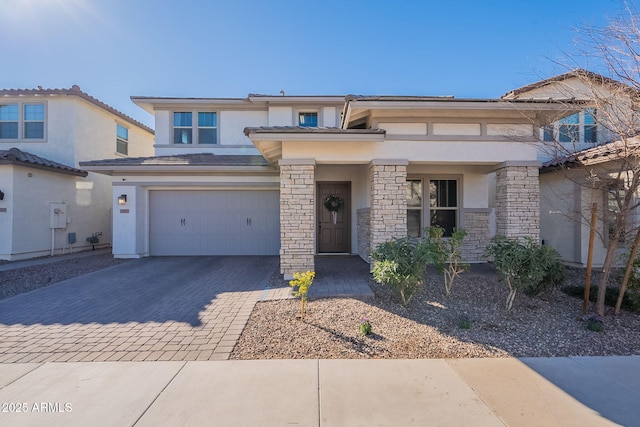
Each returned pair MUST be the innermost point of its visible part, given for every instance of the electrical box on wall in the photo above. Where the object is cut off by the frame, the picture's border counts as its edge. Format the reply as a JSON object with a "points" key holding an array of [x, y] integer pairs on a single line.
{"points": [[58, 215]]}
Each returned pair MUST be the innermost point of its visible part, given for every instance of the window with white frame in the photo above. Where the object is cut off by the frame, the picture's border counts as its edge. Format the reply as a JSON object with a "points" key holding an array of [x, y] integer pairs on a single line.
{"points": [[442, 208], [22, 121], [202, 130], [9, 123], [122, 140], [308, 119], [207, 128], [443, 204], [414, 207], [580, 127], [33, 121]]}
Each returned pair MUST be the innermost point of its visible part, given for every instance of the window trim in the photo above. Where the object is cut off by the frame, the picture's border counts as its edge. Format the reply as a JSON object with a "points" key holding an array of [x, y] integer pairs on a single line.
{"points": [[300, 111], [426, 208], [195, 128], [123, 141], [22, 121], [553, 129]]}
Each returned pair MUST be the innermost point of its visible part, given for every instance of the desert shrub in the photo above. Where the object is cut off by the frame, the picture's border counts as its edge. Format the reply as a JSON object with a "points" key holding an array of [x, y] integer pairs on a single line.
{"points": [[303, 282], [525, 265], [445, 253], [400, 264]]}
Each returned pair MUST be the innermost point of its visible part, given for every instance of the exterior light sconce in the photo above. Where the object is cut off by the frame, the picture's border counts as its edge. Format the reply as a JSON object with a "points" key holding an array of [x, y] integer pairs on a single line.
{"points": [[1, 195], [122, 200]]}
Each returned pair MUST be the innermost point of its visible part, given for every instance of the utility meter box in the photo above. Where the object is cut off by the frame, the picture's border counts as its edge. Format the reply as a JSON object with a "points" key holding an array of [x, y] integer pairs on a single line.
{"points": [[58, 215]]}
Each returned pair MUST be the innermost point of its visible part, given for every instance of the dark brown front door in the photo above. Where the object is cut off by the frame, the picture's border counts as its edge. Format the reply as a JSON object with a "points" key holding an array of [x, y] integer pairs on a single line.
{"points": [[334, 230]]}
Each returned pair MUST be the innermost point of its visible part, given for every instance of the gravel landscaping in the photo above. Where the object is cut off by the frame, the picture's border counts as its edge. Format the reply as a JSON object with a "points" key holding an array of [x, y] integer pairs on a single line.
{"points": [[19, 280], [433, 325]]}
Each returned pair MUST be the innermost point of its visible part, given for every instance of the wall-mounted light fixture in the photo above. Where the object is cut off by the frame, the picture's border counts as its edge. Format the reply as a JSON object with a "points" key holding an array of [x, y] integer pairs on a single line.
{"points": [[1, 195], [122, 200]]}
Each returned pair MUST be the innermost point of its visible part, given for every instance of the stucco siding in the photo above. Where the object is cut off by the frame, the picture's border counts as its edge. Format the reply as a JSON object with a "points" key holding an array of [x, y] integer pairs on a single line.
{"points": [[433, 152]]}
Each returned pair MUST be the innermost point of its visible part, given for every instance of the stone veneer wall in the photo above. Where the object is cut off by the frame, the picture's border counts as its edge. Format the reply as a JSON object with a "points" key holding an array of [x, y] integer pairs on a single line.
{"points": [[476, 222], [297, 216], [518, 201], [388, 183], [364, 233]]}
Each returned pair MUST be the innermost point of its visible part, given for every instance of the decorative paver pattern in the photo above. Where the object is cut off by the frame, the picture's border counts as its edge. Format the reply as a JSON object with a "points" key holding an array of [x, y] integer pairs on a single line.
{"points": [[170, 308], [335, 276]]}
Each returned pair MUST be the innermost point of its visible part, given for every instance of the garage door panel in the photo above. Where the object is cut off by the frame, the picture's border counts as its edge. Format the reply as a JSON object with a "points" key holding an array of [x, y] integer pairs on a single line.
{"points": [[214, 223]]}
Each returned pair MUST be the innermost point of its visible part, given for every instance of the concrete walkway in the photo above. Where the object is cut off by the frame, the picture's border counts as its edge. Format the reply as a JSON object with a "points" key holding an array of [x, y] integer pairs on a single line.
{"points": [[593, 391]]}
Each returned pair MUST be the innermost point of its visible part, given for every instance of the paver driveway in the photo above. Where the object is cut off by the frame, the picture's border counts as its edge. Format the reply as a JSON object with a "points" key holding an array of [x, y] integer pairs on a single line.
{"points": [[169, 308]]}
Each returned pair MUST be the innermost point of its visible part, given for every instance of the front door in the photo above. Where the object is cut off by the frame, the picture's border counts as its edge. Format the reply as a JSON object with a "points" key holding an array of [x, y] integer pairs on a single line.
{"points": [[334, 225]]}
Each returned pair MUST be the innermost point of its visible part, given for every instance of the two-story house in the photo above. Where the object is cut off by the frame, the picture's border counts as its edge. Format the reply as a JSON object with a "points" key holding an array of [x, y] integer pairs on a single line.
{"points": [[48, 204], [298, 176], [581, 161]]}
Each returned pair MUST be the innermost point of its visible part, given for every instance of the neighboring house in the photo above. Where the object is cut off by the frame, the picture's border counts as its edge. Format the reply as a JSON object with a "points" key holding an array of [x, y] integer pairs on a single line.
{"points": [[580, 161], [48, 204], [255, 175]]}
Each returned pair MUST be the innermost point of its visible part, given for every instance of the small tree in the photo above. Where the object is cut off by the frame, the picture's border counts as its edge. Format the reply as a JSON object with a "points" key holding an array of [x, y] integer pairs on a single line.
{"points": [[400, 263], [614, 98], [525, 265], [445, 253], [303, 282]]}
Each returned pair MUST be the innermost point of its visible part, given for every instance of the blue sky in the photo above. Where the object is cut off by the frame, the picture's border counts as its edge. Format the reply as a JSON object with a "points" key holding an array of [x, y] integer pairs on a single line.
{"points": [[114, 49]]}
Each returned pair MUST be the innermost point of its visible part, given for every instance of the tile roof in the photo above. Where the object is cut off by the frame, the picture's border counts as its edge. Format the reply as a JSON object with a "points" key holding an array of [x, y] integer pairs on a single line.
{"points": [[15, 156], [307, 130], [74, 91], [197, 159], [598, 154], [578, 72]]}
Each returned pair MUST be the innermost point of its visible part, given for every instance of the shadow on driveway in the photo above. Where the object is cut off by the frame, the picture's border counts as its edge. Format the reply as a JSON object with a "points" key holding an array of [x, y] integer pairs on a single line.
{"points": [[144, 290]]}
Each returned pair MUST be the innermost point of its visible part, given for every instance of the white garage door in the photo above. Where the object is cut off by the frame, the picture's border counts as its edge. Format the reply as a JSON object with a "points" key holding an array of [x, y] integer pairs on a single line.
{"points": [[214, 222]]}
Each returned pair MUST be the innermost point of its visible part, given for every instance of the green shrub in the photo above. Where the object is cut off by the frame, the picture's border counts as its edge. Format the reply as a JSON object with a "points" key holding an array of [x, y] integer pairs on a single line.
{"points": [[525, 265], [445, 253], [595, 323], [303, 282], [365, 327], [464, 322], [400, 264]]}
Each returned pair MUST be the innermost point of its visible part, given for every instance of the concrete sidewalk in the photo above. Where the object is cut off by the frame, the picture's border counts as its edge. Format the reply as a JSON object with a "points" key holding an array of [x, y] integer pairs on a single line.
{"points": [[580, 391]]}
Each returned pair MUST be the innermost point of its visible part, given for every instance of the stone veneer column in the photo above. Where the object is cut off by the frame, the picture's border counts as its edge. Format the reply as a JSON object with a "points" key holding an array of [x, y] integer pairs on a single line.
{"points": [[297, 216], [476, 222], [518, 200], [388, 215]]}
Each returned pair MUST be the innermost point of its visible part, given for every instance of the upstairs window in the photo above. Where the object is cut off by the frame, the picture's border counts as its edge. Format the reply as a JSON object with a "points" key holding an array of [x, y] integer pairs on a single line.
{"points": [[122, 140], [590, 126], [9, 121], [569, 129], [207, 128], [202, 130], [33, 121], [22, 121], [308, 119], [576, 128], [182, 128]]}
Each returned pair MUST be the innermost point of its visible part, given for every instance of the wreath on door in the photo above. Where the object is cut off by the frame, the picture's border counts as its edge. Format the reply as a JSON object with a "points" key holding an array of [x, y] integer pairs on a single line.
{"points": [[333, 203]]}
